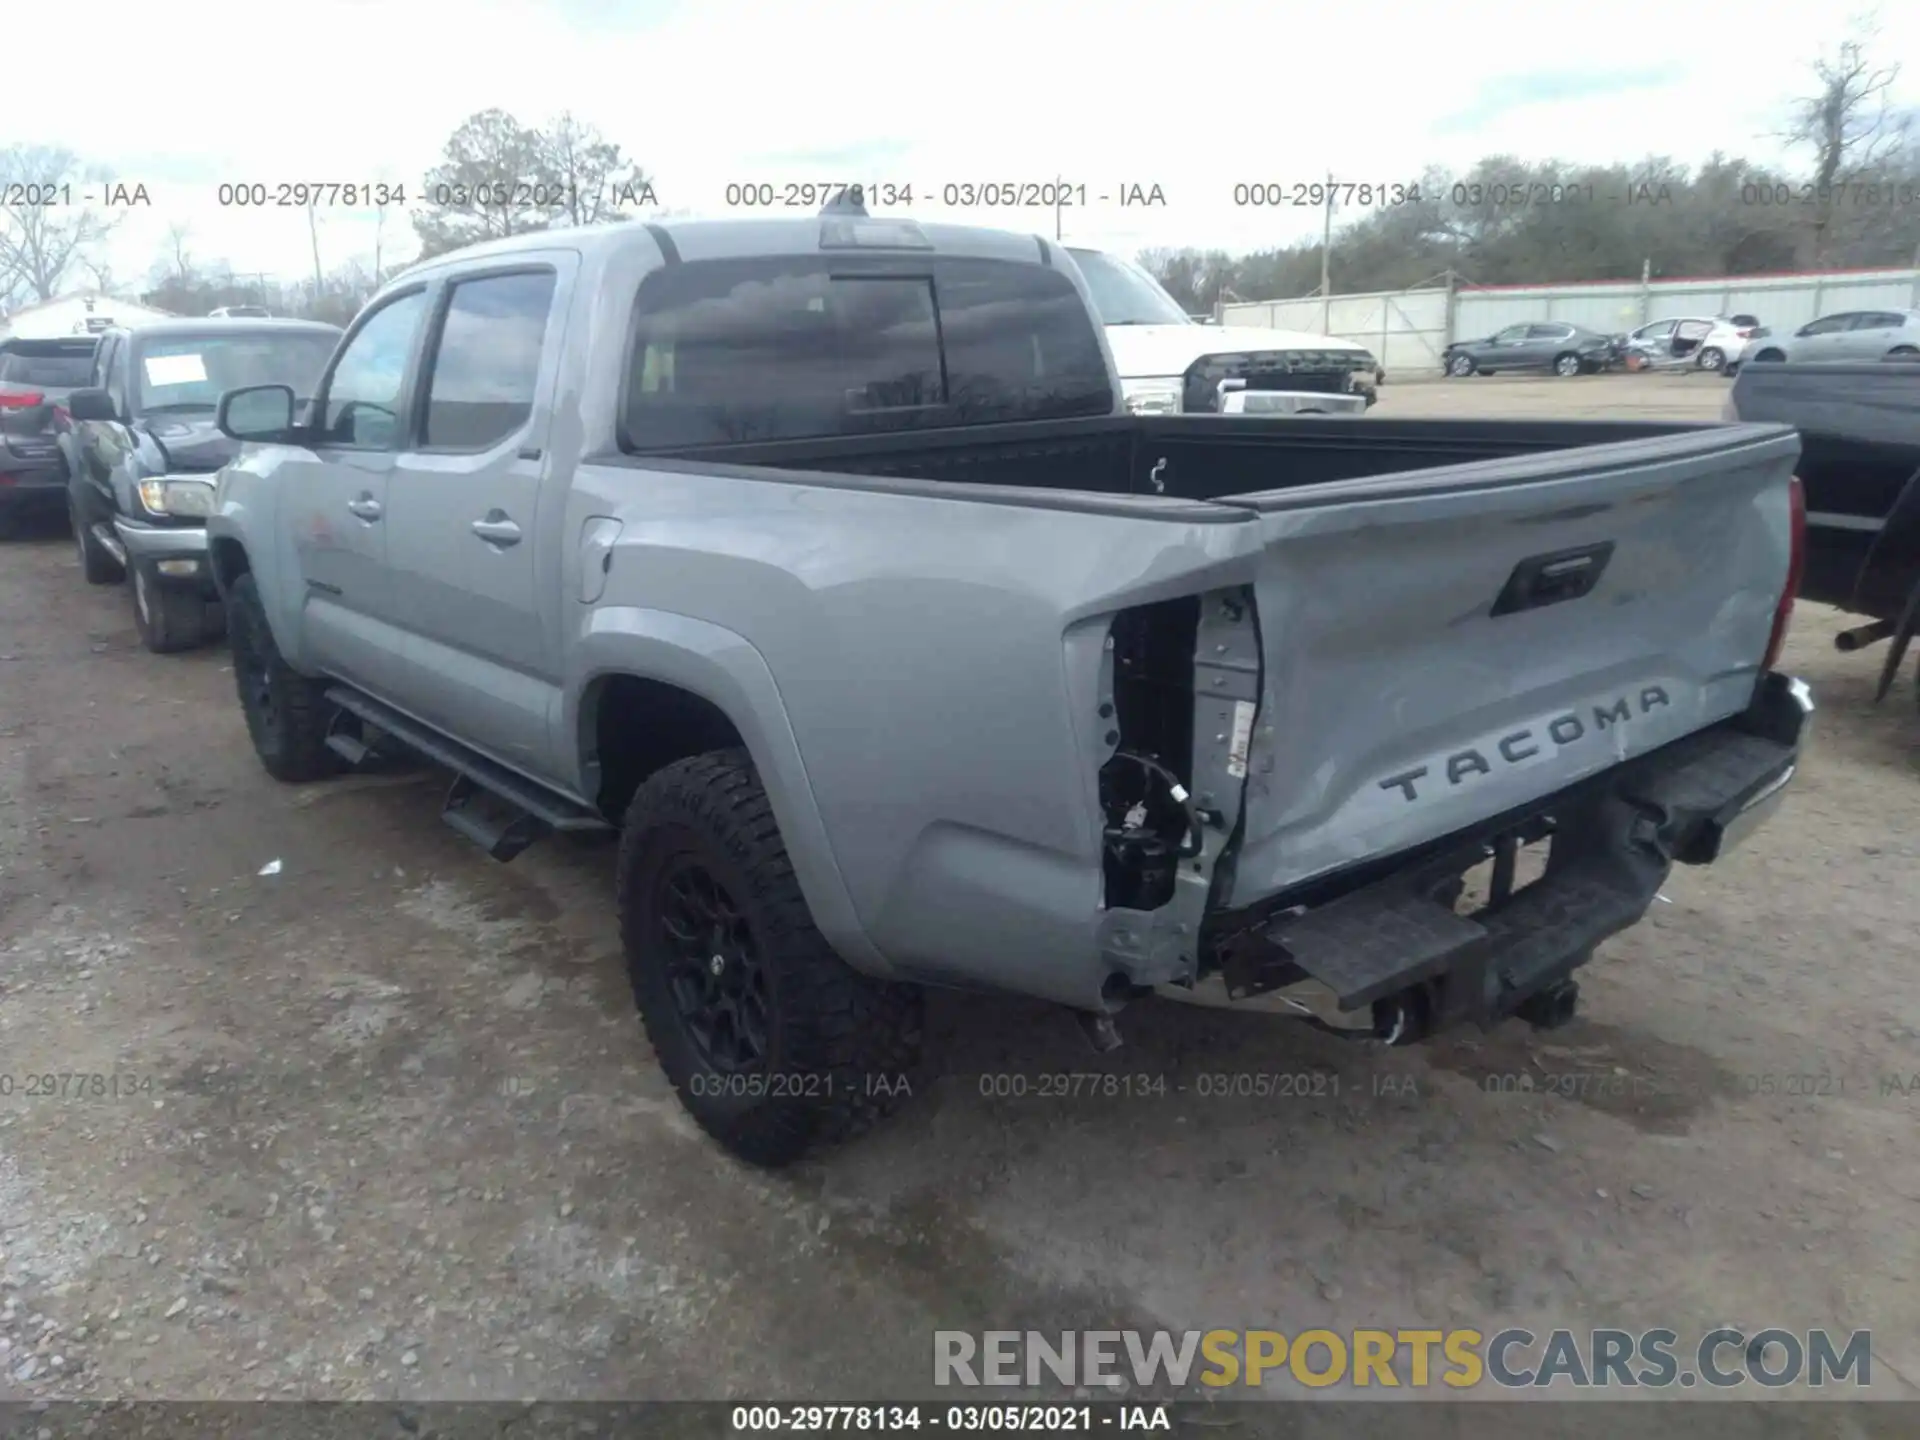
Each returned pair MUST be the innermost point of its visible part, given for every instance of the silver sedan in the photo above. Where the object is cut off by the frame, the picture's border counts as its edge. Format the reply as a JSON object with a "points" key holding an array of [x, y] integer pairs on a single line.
{"points": [[1849, 335]]}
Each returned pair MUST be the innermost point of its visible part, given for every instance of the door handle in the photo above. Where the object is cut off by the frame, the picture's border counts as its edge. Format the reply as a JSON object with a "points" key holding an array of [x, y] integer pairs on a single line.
{"points": [[365, 507], [497, 529]]}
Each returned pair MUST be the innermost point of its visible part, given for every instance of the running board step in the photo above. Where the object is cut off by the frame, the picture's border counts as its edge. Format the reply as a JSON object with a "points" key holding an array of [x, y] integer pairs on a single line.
{"points": [[495, 825], [349, 748], [498, 810]]}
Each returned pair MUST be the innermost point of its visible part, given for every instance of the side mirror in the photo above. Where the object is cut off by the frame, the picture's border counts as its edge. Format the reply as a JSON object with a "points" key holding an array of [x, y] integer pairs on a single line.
{"points": [[91, 405], [257, 412]]}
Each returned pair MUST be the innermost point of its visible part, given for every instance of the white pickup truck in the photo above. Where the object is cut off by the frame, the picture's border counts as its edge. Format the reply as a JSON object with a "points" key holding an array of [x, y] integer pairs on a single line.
{"points": [[1169, 364]]}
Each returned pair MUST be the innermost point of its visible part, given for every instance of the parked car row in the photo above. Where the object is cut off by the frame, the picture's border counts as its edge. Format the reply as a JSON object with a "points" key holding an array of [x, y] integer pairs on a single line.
{"points": [[1714, 343], [833, 564], [1562, 348]]}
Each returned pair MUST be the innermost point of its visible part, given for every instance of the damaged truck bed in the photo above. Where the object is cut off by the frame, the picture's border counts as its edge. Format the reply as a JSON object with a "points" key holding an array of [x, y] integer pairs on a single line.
{"points": [[825, 565], [1338, 663]]}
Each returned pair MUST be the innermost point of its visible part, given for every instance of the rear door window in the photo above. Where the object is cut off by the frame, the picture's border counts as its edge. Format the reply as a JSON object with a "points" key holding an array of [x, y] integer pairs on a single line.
{"points": [[487, 363], [802, 347]]}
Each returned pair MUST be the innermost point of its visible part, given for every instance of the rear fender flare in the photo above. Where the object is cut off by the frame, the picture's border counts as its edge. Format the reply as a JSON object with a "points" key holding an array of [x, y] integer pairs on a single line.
{"points": [[723, 668]]}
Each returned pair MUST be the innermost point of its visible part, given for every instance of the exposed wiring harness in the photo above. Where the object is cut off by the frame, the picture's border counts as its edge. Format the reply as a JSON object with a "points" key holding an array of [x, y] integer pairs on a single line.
{"points": [[1191, 844]]}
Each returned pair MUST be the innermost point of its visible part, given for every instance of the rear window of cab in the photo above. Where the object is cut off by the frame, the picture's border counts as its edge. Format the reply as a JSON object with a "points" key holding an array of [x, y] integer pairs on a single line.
{"points": [[736, 351]]}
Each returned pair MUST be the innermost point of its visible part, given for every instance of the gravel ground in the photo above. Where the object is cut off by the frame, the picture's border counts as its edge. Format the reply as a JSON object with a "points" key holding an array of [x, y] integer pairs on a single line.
{"points": [[387, 1127]]}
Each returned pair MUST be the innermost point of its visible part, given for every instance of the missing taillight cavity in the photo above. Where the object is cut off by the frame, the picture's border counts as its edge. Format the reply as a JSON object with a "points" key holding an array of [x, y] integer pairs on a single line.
{"points": [[1796, 567], [1150, 820]]}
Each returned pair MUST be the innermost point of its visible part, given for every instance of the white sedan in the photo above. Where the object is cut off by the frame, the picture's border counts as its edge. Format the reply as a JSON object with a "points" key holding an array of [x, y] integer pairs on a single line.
{"points": [[1709, 342]]}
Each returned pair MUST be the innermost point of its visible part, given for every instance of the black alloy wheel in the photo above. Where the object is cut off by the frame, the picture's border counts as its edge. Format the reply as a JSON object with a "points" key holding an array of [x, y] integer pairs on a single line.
{"points": [[715, 969]]}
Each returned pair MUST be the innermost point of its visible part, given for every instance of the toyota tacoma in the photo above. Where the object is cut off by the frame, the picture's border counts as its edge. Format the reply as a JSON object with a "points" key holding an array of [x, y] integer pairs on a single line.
{"points": [[821, 559]]}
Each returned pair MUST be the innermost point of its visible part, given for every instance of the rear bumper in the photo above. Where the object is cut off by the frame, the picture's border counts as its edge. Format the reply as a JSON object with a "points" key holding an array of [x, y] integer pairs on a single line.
{"points": [[38, 487], [1397, 945]]}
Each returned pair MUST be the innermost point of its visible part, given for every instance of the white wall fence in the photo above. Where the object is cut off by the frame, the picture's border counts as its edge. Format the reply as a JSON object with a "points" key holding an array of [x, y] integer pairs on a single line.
{"points": [[1408, 329], [1405, 329]]}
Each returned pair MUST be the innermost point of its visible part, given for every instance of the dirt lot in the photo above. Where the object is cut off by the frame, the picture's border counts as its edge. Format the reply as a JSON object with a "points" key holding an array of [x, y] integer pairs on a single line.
{"points": [[391, 1128]]}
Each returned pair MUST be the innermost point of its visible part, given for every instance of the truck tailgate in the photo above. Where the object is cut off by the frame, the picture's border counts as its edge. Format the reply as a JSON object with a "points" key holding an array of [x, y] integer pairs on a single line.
{"points": [[1444, 645]]}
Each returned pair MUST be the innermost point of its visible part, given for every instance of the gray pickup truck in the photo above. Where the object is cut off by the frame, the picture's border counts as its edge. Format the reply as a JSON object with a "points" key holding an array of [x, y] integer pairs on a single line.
{"points": [[820, 558]]}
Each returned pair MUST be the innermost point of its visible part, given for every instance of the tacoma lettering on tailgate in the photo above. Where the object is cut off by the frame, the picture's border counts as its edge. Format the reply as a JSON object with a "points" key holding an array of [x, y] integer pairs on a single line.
{"points": [[1521, 745]]}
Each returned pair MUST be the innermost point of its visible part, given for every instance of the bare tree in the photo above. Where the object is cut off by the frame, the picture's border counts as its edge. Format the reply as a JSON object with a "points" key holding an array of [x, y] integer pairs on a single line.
{"points": [[99, 271], [499, 177], [597, 181], [48, 227], [1852, 127], [177, 235], [494, 178]]}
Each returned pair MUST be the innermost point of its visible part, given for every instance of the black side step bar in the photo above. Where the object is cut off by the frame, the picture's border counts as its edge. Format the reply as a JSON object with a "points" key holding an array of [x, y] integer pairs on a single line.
{"points": [[500, 811]]}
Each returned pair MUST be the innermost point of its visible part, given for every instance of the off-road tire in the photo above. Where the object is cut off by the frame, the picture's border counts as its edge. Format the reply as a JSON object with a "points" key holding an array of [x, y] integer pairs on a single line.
{"points": [[96, 565], [844, 1049], [170, 619], [289, 722]]}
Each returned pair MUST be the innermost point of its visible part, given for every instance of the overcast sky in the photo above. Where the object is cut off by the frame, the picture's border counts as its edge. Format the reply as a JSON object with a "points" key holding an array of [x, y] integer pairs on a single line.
{"points": [[1189, 98]]}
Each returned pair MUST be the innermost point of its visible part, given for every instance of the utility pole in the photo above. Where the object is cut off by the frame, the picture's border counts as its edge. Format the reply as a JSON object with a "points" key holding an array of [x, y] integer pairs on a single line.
{"points": [[313, 233], [1326, 268]]}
